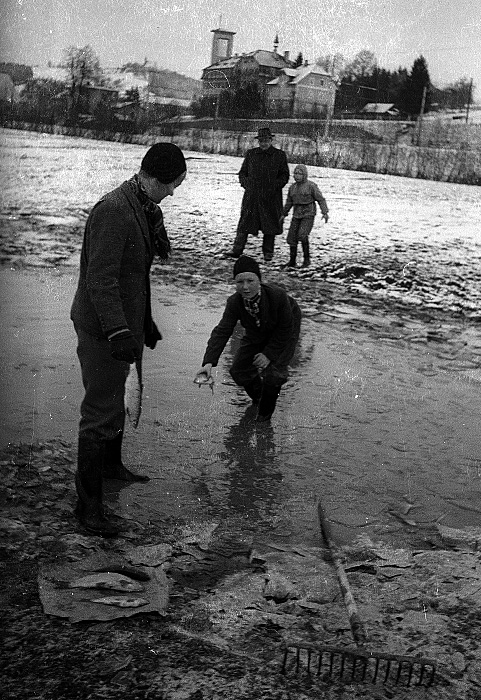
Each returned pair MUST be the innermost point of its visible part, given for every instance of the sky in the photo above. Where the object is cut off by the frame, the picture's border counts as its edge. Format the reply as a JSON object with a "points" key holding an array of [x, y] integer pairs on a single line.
{"points": [[177, 35]]}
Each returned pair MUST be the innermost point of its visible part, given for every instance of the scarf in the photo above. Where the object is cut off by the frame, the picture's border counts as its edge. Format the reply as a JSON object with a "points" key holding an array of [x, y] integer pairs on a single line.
{"points": [[252, 307], [155, 219]]}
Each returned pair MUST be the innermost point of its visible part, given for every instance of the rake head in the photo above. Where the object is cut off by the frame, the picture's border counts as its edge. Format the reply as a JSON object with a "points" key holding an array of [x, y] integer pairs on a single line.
{"points": [[357, 665]]}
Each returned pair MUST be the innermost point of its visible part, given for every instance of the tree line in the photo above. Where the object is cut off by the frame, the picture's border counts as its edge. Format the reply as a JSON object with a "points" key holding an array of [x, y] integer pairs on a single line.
{"points": [[363, 80], [359, 81]]}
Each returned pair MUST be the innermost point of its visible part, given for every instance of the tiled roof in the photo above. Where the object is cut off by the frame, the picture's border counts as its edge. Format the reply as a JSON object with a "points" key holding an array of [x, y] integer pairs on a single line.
{"points": [[298, 74], [302, 71], [263, 58]]}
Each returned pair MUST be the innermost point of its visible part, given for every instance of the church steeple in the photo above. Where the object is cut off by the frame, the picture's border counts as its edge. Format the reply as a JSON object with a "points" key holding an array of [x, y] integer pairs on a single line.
{"points": [[276, 42]]}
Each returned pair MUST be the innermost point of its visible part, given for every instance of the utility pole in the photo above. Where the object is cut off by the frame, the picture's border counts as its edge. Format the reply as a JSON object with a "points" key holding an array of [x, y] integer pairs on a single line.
{"points": [[326, 125], [470, 92]]}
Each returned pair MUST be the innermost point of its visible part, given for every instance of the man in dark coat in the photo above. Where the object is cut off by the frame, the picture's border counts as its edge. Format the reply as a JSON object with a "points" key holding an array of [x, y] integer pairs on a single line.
{"points": [[111, 313], [272, 322], [263, 174]]}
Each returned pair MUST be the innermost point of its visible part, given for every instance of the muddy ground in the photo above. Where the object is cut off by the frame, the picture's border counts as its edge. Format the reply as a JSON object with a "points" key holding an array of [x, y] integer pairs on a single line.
{"points": [[380, 421]]}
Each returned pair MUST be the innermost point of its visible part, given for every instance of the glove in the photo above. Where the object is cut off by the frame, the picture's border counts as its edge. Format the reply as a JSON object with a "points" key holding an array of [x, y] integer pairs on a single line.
{"points": [[124, 347], [152, 336]]}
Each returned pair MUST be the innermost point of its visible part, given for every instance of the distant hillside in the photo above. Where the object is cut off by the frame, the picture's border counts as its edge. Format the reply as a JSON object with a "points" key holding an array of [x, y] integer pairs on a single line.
{"points": [[165, 82]]}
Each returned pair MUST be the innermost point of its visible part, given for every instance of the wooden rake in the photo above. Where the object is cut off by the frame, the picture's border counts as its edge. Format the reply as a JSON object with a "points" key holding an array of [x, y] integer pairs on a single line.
{"points": [[358, 664]]}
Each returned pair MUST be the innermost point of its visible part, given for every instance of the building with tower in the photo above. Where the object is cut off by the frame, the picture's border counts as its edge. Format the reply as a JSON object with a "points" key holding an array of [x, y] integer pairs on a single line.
{"points": [[287, 91], [227, 68]]}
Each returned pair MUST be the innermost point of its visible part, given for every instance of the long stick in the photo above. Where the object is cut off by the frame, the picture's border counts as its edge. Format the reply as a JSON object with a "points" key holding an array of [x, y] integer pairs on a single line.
{"points": [[357, 627]]}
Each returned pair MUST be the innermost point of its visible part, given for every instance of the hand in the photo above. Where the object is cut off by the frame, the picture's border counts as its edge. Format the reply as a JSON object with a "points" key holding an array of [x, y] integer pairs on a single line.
{"points": [[261, 361], [152, 336], [325, 217], [204, 374], [125, 348]]}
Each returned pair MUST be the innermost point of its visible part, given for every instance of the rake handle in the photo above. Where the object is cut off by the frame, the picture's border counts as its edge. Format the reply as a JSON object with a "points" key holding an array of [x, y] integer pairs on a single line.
{"points": [[357, 626]]}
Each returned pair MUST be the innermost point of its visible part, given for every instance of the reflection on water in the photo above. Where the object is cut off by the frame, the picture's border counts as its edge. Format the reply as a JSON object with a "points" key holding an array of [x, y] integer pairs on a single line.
{"points": [[252, 469]]}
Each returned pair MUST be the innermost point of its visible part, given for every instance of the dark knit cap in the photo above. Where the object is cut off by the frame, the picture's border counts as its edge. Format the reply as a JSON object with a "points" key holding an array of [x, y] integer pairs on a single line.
{"points": [[164, 161], [246, 264]]}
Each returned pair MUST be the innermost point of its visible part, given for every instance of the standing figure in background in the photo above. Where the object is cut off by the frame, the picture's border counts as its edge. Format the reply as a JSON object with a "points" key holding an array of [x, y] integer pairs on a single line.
{"points": [[263, 174], [112, 317], [272, 321], [302, 197]]}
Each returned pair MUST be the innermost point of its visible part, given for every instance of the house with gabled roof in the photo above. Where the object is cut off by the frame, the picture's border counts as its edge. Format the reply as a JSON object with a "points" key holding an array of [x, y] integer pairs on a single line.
{"points": [[381, 109], [7, 88], [307, 91]]}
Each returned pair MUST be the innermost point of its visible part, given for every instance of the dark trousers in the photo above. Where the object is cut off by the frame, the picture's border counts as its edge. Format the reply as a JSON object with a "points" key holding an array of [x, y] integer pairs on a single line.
{"points": [[240, 242], [102, 412]]}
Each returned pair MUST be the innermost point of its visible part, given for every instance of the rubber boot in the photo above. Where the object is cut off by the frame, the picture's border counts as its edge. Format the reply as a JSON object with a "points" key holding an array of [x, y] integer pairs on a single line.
{"points": [[113, 466], [254, 390], [305, 250], [88, 481], [292, 259], [268, 402]]}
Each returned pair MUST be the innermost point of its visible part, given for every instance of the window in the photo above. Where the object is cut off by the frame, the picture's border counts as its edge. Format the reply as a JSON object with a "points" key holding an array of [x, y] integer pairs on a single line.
{"points": [[222, 45]]}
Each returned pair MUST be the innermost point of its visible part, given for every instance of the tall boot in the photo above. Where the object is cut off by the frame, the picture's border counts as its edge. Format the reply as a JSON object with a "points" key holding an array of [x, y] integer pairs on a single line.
{"points": [[254, 389], [88, 481], [268, 402], [113, 466], [293, 256], [305, 250]]}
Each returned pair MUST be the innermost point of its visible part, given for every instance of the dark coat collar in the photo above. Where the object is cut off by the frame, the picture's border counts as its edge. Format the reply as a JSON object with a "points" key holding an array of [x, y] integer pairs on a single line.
{"points": [[138, 211]]}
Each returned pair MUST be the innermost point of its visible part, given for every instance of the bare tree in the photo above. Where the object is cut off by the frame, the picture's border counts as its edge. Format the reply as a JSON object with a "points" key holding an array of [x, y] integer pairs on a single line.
{"points": [[82, 66], [363, 64], [332, 63]]}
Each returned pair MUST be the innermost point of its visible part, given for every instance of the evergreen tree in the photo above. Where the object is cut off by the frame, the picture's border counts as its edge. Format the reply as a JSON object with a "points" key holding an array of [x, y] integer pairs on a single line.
{"points": [[416, 83], [299, 60]]}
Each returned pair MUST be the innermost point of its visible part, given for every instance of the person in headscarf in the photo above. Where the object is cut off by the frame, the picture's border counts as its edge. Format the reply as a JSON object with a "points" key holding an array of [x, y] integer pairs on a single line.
{"points": [[111, 312], [302, 197], [271, 320]]}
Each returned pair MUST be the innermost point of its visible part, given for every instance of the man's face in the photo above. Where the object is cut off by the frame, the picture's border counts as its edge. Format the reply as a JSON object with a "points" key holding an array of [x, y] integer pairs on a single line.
{"points": [[247, 284], [158, 191], [264, 142]]}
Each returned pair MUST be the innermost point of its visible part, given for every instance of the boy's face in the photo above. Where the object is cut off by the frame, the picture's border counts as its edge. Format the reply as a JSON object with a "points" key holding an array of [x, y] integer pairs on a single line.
{"points": [[298, 175], [247, 284]]}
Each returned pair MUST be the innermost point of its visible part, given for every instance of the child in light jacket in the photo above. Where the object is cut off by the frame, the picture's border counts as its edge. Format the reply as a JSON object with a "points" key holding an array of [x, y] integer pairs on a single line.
{"points": [[302, 197]]}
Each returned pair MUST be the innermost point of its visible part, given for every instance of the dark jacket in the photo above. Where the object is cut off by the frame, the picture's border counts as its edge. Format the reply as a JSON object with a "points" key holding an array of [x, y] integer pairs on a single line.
{"points": [[263, 174], [279, 322], [113, 290]]}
